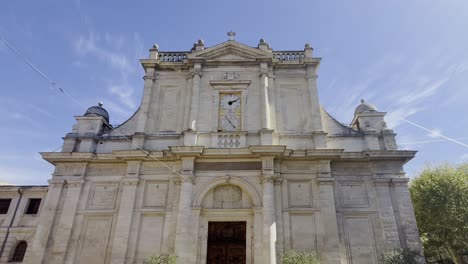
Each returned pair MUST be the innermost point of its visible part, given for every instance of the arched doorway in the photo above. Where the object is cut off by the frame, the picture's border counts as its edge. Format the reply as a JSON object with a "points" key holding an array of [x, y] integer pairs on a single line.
{"points": [[227, 218]]}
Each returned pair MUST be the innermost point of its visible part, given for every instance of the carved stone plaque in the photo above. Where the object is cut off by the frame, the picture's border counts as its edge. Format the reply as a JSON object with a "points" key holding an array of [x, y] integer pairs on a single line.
{"points": [[227, 197]]}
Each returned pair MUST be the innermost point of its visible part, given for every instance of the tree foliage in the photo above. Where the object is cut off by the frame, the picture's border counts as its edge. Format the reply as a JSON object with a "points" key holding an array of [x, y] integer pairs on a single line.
{"points": [[440, 198], [296, 257], [161, 259], [401, 256]]}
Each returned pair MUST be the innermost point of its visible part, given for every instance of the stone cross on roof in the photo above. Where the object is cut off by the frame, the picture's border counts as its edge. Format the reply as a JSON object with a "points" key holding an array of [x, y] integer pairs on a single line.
{"points": [[231, 35]]}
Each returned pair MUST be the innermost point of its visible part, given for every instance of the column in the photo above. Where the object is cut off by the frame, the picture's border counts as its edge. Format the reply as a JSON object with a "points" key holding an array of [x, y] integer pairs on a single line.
{"points": [[67, 217], [258, 235], [46, 221], [184, 237], [125, 215], [329, 245], [269, 219], [266, 133], [195, 97], [265, 104]]}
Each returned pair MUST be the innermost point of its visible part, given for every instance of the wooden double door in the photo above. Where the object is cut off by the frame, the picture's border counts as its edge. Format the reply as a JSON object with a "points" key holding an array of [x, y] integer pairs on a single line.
{"points": [[226, 243]]}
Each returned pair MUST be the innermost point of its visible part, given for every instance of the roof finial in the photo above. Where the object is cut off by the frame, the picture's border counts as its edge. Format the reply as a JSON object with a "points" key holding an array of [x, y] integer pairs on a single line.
{"points": [[100, 104], [362, 101], [231, 35]]}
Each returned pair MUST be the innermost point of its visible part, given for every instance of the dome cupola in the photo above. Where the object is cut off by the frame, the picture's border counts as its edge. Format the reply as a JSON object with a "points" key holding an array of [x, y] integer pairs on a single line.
{"points": [[98, 111], [364, 107]]}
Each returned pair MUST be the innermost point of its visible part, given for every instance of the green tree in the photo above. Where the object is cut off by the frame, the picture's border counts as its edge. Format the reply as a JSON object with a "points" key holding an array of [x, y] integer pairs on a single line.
{"points": [[440, 198], [297, 257], [401, 256], [161, 259]]}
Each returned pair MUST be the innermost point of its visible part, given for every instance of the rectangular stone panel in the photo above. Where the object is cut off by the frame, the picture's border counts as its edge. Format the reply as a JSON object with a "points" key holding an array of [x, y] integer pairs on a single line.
{"points": [[155, 194], [217, 166], [102, 196], [360, 240], [353, 194], [303, 232], [149, 237], [94, 239], [300, 194], [169, 109], [291, 108]]}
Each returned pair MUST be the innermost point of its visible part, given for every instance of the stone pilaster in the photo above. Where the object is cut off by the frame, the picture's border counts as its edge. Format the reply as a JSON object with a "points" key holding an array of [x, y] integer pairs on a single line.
{"points": [[269, 217], [329, 246], [46, 220], [258, 235], [387, 214], [184, 234], [195, 97], [67, 217], [125, 215], [403, 207], [315, 121]]}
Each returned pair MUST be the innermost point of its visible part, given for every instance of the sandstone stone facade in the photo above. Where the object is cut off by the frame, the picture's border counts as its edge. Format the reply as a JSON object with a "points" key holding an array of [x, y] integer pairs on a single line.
{"points": [[229, 133]]}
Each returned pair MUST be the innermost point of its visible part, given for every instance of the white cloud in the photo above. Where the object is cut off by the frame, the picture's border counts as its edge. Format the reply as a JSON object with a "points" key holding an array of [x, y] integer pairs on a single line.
{"points": [[420, 93], [435, 133], [88, 45], [394, 118], [120, 53], [124, 93]]}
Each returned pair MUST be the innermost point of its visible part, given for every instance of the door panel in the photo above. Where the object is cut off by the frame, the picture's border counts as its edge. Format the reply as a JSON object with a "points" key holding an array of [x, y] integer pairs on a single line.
{"points": [[226, 243]]}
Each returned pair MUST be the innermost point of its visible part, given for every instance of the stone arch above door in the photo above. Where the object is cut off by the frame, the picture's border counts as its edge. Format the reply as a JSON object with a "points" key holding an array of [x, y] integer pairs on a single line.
{"points": [[225, 191]]}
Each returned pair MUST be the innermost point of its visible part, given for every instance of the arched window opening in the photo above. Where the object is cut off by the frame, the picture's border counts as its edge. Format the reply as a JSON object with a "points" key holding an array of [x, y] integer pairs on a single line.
{"points": [[20, 250]]}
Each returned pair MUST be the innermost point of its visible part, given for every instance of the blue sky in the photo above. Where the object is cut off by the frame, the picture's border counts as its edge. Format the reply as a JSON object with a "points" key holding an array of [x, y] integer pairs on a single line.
{"points": [[409, 58]]}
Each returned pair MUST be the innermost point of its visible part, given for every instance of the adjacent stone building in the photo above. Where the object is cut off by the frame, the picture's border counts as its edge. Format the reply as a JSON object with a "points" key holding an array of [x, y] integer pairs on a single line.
{"points": [[229, 159]]}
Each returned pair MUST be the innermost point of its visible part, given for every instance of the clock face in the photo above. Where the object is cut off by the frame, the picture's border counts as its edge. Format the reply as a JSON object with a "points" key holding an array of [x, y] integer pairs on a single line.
{"points": [[229, 116]]}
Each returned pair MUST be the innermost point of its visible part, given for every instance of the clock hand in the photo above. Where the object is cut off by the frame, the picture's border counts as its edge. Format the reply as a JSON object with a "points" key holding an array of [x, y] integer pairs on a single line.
{"points": [[230, 102], [230, 122]]}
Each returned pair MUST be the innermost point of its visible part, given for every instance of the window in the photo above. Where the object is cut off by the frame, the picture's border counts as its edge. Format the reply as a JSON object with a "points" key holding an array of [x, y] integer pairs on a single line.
{"points": [[33, 206], [20, 250], [4, 205]]}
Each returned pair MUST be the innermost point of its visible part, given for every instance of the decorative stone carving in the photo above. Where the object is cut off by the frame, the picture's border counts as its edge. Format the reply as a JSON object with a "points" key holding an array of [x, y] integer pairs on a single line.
{"points": [[231, 76], [227, 197]]}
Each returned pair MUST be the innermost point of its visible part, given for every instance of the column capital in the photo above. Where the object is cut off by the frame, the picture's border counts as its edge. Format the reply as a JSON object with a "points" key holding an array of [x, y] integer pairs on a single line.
{"points": [[187, 178], [268, 178], [75, 183], [325, 180], [56, 182]]}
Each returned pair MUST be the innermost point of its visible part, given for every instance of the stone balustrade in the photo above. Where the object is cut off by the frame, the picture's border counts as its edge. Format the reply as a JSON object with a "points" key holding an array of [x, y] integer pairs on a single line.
{"points": [[172, 56], [228, 140], [288, 55]]}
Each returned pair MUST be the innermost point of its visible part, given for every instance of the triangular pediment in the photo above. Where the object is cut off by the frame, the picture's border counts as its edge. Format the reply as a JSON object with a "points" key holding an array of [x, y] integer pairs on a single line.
{"points": [[230, 51]]}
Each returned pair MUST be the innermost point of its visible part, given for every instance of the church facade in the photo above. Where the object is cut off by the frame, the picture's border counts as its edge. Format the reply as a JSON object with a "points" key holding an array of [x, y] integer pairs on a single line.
{"points": [[229, 159]]}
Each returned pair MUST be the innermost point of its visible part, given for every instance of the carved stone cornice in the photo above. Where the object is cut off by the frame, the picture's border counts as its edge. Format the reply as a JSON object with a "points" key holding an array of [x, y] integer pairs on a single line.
{"points": [[271, 150], [181, 151]]}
